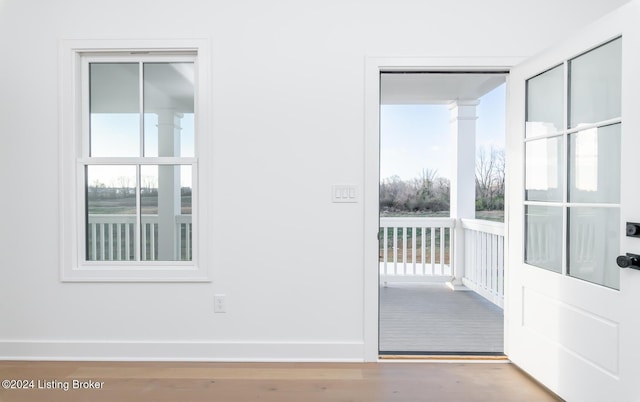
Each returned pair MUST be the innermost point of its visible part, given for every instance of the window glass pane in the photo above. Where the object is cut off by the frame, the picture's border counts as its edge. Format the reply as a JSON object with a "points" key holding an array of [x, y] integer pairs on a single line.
{"points": [[114, 109], [543, 228], [111, 213], [594, 245], [595, 84], [594, 165], [545, 99], [150, 134], [543, 169], [166, 212], [168, 109]]}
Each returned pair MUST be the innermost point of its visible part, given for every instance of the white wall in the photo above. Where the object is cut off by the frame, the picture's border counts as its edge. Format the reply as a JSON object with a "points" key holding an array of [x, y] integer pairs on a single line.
{"points": [[288, 122]]}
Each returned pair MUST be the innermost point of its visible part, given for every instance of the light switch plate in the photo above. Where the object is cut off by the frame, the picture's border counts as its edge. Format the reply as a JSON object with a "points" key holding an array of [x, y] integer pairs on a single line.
{"points": [[344, 193]]}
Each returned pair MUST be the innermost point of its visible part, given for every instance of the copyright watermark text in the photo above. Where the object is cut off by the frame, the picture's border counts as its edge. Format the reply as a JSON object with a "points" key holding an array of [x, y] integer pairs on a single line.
{"points": [[65, 385]]}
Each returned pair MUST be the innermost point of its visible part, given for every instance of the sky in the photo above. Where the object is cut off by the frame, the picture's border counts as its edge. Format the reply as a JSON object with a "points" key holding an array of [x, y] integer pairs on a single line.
{"points": [[416, 137], [412, 137], [116, 134]]}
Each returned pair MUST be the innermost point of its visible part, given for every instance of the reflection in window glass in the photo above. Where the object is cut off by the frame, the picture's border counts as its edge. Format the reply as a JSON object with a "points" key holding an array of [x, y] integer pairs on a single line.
{"points": [[111, 213], [584, 224], [543, 169], [594, 165], [114, 109], [545, 98], [594, 245], [543, 243], [595, 84]]}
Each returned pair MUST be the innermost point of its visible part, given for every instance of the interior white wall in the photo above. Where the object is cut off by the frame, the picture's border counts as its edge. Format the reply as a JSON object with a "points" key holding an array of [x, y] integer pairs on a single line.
{"points": [[288, 122]]}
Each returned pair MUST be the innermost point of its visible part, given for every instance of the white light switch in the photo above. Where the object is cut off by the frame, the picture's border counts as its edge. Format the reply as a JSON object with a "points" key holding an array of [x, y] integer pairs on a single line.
{"points": [[344, 193]]}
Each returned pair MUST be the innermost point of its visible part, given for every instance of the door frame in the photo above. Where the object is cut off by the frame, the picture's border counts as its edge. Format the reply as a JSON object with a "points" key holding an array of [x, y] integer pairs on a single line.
{"points": [[371, 205]]}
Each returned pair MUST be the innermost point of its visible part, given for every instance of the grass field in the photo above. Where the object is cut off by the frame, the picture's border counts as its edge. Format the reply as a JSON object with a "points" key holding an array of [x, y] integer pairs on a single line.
{"points": [[127, 205], [496, 216]]}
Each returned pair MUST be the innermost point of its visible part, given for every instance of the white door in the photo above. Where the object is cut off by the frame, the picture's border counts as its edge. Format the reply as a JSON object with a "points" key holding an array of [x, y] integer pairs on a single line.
{"points": [[572, 315]]}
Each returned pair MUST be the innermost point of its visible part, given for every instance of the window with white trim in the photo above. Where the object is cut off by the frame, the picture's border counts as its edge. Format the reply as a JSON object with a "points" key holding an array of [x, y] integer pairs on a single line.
{"points": [[131, 138]]}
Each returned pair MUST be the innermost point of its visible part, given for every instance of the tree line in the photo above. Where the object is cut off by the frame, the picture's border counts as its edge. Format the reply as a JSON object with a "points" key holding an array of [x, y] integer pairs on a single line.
{"points": [[428, 193]]}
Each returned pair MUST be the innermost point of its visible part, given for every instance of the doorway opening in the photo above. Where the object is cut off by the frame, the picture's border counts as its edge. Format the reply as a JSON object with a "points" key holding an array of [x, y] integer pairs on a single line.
{"points": [[441, 227]]}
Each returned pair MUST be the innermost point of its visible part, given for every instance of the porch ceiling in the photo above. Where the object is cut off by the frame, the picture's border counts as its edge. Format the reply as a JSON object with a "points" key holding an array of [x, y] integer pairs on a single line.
{"points": [[115, 88], [413, 88]]}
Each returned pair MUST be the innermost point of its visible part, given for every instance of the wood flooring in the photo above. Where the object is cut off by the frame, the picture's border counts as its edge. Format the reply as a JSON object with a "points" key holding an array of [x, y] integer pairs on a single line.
{"points": [[268, 382]]}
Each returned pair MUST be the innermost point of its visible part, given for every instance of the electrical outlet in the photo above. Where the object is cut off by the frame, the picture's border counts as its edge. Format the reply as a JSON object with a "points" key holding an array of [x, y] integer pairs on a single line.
{"points": [[219, 303]]}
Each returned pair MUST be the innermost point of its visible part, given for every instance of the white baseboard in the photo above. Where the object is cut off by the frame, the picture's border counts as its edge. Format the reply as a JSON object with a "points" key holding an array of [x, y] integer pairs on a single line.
{"points": [[220, 351]]}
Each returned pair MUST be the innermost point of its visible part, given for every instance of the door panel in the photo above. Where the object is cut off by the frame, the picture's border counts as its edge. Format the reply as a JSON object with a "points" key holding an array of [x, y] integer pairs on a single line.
{"points": [[570, 311]]}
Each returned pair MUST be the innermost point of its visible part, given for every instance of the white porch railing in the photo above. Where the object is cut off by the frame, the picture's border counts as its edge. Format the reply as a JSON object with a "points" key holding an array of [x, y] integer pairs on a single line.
{"points": [[112, 237], [484, 258], [415, 249], [421, 249]]}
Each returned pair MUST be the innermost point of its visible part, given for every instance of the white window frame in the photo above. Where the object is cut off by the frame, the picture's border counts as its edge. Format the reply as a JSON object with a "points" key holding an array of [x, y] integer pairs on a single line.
{"points": [[74, 57]]}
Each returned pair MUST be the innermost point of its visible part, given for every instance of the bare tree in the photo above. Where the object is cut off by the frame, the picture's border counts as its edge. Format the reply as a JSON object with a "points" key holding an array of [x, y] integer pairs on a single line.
{"points": [[428, 193], [424, 183], [490, 168], [425, 193], [500, 170], [149, 183], [394, 192]]}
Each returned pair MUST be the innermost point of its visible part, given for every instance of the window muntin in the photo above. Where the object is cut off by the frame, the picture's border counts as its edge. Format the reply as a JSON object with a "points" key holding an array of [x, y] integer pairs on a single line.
{"points": [[138, 159], [78, 163], [572, 179]]}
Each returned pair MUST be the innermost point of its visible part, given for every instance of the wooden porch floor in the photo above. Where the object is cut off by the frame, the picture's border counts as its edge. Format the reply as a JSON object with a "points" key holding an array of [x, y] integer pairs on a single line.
{"points": [[434, 319]]}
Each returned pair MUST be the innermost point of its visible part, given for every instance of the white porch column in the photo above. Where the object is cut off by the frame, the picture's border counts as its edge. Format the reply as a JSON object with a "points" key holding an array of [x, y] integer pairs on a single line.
{"points": [[168, 185], [463, 182]]}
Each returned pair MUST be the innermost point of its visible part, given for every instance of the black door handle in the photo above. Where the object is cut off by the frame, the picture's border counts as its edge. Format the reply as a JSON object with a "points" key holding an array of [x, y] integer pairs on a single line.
{"points": [[628, 261]]}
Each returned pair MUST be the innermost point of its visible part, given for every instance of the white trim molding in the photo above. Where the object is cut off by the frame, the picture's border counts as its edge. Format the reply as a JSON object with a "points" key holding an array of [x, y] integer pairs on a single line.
{"points": [[212, 351], [370, 193], [72, 264]]}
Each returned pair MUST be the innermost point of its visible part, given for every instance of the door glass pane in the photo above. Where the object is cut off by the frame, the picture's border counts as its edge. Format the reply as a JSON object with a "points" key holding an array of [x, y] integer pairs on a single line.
{"points": [[595, 84], [114, 109], [543, 169], [594, 245], [545, 99], [168, 100], [111, 213], [594, 165], [165, 198], [543, 243]]}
